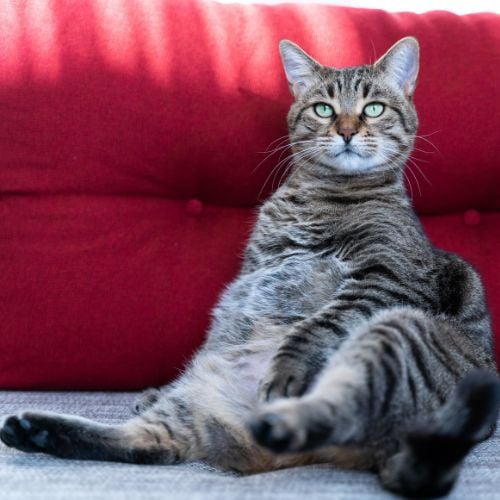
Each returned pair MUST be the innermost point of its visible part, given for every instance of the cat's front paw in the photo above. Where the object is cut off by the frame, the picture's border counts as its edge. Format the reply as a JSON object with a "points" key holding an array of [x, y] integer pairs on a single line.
{"points": [[146, 400], [283, 380]]}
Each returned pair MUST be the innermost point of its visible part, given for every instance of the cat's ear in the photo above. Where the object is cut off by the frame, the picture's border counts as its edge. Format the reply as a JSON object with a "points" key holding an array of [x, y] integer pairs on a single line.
{"points": [[399, 65], [300, 68]]}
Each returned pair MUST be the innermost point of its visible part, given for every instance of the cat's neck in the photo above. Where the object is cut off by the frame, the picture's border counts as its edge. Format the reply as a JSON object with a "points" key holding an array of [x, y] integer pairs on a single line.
{"points": [[316, 184]]}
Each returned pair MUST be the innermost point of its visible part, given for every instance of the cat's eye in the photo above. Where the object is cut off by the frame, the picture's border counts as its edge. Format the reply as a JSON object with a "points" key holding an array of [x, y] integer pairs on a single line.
{"points": [[373, 109], [323, 110]]}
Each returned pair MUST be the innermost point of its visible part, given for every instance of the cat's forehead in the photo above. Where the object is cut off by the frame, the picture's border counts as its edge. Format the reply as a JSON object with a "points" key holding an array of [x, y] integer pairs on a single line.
{"points": [[346, 85]]}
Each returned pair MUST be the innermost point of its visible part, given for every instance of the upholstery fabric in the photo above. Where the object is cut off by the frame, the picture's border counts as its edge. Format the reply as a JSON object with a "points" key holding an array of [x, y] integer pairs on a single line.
{"points": [[40, 477], [130, 134]]}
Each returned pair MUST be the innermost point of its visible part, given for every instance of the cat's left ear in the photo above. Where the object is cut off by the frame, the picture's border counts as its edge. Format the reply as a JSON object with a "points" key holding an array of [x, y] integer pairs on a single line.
{"points": [[399, 65]]}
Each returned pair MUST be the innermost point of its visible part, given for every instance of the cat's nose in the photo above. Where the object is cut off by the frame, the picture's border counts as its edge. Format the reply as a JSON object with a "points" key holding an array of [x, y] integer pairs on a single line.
{"points": [[347, 133]]}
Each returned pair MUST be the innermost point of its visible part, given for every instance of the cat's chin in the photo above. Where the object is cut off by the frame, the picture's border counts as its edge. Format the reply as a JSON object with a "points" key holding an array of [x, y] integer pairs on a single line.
{"points": [[350, 163]]}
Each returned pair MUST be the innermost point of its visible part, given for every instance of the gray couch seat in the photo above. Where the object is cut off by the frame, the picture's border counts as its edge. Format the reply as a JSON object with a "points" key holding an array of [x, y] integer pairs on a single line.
{"points": [[40, 477]]}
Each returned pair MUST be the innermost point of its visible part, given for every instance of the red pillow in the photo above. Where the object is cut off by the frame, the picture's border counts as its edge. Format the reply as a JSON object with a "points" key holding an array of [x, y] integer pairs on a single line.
{"points": [[129, 137]]}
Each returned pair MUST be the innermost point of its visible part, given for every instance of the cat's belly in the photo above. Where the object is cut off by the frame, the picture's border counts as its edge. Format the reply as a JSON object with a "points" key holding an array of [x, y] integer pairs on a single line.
{"points": [[280, 294], [299, 286]]}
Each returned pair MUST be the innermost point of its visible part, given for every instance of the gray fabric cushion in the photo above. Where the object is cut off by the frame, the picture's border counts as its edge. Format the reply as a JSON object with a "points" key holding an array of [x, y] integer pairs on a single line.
{"points": [[26, 477]]}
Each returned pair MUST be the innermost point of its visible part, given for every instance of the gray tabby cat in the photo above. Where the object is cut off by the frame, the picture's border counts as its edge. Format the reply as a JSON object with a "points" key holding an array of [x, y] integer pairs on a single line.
{"points": [[346, 338]]}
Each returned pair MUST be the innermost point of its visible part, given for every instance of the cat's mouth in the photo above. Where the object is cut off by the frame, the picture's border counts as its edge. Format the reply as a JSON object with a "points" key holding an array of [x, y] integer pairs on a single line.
{"points": [[347, 151]]}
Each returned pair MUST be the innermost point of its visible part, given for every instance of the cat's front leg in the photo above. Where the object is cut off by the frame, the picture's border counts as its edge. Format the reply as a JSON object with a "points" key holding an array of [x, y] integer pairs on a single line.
{"points": [[295, 365], [293, 368], [309, 343]]}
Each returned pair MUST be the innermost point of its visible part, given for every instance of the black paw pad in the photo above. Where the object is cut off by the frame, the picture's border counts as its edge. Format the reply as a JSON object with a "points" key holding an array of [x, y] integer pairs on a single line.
{"points": [[21, 433]]}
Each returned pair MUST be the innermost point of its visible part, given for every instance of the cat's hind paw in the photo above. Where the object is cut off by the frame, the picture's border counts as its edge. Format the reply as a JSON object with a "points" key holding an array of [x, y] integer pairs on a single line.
{"points": [[271, 431], [287, 426], [25, 433]]}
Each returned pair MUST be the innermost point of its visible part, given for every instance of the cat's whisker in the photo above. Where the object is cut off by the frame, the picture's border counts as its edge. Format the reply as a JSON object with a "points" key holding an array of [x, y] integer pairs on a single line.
{"points": [[416, 165], [413, 157], [424, 138], [274, 169], [428, 135], [270, 153], [415, 177], [280, 164], [277, 140], [423, 151], [370, 62], [408, 183]]}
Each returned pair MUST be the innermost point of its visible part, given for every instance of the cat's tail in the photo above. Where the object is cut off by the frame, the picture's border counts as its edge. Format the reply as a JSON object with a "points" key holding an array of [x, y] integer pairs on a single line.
{"points": [[430, 459]]}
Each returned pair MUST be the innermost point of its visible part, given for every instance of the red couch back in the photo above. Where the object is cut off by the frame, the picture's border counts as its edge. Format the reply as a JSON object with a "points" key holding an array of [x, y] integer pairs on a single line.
{"points": [[130, 133]]}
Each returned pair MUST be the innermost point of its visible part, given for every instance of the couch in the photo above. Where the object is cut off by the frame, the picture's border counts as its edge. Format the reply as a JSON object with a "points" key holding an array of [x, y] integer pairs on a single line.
{"points": [[136, 142]]}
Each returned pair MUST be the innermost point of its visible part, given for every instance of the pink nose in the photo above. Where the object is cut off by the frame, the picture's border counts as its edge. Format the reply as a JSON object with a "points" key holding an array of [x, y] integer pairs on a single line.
{"points": [[347, 133]]}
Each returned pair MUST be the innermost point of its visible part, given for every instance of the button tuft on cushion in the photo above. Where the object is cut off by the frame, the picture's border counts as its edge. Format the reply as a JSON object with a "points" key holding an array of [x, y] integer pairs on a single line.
{"points": [[472, 217], [194, 207]]}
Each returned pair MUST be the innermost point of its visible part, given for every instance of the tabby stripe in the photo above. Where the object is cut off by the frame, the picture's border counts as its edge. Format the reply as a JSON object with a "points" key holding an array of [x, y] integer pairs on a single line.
{"points": [[421, 366], [152, 434], [299, 339], [371, 386], [297, 118], [167, 428], [366, 89], [311, 129], [390, 379], [310, 333], [329, 89], [425, 299], [411, 386], [442, 356], [285, 319], [375, 299], [296, 200], [361, 233], [395, 138], [416, 350], [465, 354], [161, 422], [359, 247], [365, 310], [424, 296], [329, 325], [398, 296], [286, 354], [401, 118], [344, 200], [377, 268]]}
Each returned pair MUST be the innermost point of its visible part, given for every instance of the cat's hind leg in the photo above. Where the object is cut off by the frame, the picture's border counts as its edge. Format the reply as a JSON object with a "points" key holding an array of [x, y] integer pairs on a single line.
{"points": [[391, 376], [199, 416], [140, 440]]}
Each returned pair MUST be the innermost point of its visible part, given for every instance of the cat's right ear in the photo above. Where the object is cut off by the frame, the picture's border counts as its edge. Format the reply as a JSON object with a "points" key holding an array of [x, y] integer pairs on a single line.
{"points": [[300, 68]]}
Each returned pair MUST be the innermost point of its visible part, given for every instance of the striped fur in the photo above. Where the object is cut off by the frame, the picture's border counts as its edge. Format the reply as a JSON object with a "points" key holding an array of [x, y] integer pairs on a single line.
{"points": [[346, 338]]}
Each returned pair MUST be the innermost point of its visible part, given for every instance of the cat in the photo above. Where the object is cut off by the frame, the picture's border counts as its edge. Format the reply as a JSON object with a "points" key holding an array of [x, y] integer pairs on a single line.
{"points": [[346, 338]]}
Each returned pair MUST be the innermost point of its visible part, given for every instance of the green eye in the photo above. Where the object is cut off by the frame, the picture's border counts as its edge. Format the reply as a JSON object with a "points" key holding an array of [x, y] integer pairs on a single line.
{"points": [[373, 109], [323, 110]]}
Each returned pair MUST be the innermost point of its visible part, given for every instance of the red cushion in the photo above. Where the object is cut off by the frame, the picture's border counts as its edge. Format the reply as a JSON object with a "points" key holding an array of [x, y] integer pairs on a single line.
{"points": [[113, 115]]}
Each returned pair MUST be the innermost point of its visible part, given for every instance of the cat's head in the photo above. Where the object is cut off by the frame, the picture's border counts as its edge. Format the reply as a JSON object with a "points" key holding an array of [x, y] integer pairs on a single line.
{"points": [[353, 120]]}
